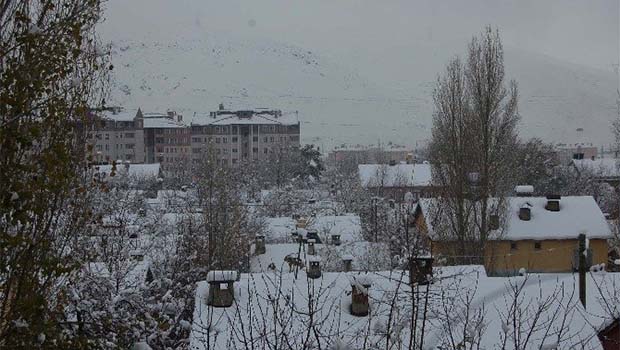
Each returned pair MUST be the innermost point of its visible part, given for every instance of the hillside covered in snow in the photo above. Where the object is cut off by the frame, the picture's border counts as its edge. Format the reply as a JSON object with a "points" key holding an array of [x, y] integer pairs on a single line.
{"points": [[355, 74]]}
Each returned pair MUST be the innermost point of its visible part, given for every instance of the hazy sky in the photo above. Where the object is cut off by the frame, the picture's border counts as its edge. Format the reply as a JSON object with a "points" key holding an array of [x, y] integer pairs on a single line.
{"points": [[577, 31]]}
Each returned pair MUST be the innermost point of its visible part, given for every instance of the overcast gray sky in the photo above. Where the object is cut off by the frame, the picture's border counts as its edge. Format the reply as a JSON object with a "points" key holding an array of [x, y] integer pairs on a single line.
{"points": [[576, 31]]}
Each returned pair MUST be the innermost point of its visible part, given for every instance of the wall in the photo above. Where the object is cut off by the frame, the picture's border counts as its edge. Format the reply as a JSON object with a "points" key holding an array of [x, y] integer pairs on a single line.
{"points": [[558, 259]]}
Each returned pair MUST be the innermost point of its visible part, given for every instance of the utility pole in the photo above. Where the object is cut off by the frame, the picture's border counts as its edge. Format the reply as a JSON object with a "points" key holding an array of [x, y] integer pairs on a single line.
{"points": [[582, 269]]}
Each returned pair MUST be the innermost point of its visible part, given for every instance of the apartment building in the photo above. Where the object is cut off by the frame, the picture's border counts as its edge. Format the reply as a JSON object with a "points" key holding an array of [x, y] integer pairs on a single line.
{"points": [[243, 135], [116, 134], [166, 140]]}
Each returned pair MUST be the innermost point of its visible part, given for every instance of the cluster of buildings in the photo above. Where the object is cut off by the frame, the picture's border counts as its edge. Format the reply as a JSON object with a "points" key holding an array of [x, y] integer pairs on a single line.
{"points": [[235, 136]]}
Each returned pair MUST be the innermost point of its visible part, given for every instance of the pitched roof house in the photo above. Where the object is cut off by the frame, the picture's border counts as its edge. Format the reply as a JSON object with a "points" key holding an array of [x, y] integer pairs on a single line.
{"points": [[539, 234], [394, 180]]}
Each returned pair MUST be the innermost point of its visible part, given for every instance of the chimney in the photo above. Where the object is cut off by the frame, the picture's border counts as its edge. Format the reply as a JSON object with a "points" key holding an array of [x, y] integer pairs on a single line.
{"points": [[553, 202], [392, 162], [420, 270], [171, 114], [336, 239], [221, 107], [524, 190], [314, 267], [525, 212], [359, 295], [179, 118], [347, 262], [259, 245], [494, 222], [127, 164], [311, 248], [221, 288]]}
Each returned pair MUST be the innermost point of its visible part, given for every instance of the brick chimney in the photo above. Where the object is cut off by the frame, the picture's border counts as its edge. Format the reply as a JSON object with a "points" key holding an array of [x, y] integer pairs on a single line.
{"points": [[525, 212]]}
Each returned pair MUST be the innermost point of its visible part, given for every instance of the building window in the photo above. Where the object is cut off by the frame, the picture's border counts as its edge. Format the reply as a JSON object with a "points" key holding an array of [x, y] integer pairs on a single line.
{"points": [[159, 140], [129, 135], [294, 138], [195, 150], [234, 129], [513, 246], [129, 146], [107, 136], [265, 139], [99, 147], [255, 139], [234, 161], [577, 155], [234, 139], [217, 140], [107, 147], [255, 128], [234, 150], [271, 139], [255, 150], [265, 150], [224, 139], [537, 245], [196, 139]]}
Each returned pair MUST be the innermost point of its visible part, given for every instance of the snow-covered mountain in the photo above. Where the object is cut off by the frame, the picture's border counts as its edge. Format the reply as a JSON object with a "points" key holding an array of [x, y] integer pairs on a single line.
{"points": [[354, 95]]}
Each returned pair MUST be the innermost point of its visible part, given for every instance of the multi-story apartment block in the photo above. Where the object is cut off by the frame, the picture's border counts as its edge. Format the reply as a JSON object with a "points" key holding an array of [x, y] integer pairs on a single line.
{"points": [[243, 135], [116, 134], [235, 136], [166, 140]]}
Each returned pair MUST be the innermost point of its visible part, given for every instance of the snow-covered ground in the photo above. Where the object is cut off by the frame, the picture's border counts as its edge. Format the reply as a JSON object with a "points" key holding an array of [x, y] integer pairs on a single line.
{"points": [[275, 308]]}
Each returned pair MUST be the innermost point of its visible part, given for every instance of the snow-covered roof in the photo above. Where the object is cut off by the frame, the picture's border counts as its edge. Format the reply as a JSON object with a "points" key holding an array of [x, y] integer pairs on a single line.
{"points": [[364, 256], [279, 229], [255, 118], [398, 175], [349, 227], [545, 304], [603, 167], [162, 122], [141, 171], [578, 214], [120, 115]]}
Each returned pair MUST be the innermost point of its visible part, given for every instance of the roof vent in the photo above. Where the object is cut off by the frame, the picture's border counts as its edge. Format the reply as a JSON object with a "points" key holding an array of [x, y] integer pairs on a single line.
{"points": [[553, 202], [525, 212], [524, 190]]}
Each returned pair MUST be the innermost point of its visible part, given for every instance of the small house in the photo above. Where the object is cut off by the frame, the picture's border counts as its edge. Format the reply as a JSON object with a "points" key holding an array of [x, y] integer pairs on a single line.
{"points": [[394, 180], [539, 234]]}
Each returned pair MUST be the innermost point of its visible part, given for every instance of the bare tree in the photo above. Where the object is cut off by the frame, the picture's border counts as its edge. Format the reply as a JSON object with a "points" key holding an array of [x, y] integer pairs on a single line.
{"points": [[474, 134]]}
